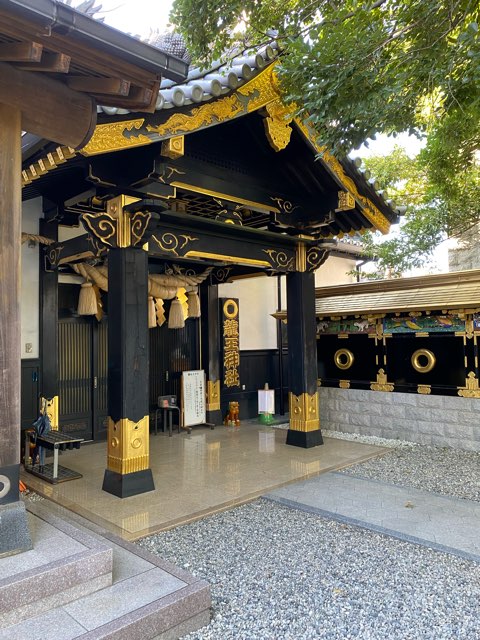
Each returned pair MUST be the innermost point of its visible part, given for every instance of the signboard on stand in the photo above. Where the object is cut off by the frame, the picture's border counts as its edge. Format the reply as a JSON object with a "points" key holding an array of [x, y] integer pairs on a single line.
{"points": [[193, 398]]}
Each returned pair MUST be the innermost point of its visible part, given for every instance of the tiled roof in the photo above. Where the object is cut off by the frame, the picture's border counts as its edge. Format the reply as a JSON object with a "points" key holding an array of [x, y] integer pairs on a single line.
{"points": [[203, 85], [459, 290]]}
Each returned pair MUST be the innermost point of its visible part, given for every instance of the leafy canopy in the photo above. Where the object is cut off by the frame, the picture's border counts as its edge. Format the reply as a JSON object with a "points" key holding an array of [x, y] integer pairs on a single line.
{"points": [[356, 69], [424, 225]]}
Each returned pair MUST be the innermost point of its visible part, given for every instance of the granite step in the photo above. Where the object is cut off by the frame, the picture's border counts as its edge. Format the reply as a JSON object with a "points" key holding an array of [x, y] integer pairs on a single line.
{"points": [[65, 563], [149, 599]]}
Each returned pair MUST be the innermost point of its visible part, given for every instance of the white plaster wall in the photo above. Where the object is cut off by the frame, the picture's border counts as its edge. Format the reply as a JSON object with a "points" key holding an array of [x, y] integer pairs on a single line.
{"points": [[66, 233], [334, 271], [31, 212], [257, 300]]}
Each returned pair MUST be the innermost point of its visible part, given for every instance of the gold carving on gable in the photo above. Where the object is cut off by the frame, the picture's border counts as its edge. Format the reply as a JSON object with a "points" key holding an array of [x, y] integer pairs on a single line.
{"points": [[277, 125], [111, 137]]}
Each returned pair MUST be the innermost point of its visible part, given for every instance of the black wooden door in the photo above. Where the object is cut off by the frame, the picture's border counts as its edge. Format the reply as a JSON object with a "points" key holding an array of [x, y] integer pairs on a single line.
{"points": [[172, 351], [82, 372]]}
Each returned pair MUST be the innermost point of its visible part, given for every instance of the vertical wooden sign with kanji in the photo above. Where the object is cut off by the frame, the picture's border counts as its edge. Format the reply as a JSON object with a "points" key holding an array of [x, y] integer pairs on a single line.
{"points": [[230, 342]]}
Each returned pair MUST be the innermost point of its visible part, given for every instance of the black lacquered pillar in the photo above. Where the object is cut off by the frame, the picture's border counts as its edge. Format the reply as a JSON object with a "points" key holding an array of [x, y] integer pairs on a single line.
{"points": [[49, 325], [125, 233], [304, 429], [128, 471]]}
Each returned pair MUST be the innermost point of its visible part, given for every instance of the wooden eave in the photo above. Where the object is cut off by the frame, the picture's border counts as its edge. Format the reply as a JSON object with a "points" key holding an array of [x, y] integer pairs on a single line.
{"points": [[114, 134], [46, 37]]}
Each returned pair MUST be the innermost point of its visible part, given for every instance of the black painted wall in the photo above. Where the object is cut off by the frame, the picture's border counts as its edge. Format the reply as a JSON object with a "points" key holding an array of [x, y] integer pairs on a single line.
{"points": [[256, 368]]}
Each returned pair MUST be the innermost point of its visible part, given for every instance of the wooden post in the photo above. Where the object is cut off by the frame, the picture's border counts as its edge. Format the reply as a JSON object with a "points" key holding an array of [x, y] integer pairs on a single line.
{"points": [[14, 535], [210, 342], [49, 328], [128, 471], [304, 430]]}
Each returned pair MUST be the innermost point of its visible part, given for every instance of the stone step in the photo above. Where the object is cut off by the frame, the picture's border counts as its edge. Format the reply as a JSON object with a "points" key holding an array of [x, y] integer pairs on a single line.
{"points": [[65, 564], [149, 598]]}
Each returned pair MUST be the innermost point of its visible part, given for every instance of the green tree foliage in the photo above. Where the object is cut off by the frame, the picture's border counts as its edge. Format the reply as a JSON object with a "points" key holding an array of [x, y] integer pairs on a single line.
{"points": [[425, 223], [356, 69]]}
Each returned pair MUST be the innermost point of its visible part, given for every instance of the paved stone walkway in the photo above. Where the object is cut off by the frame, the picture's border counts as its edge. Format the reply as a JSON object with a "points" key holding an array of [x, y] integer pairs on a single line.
{"points": [[443, 523]]}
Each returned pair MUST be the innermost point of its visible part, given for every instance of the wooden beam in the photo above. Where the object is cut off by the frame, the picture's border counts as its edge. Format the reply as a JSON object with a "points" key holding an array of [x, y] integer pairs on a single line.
{"points": [[85, 57], [50, 62], [49, 109], [20, 52], [139, 98], [107, 86]]}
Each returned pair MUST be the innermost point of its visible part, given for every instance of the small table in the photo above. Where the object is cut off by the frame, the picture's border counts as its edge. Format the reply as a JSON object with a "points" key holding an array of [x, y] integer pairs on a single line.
{"points": [[54, 441]]}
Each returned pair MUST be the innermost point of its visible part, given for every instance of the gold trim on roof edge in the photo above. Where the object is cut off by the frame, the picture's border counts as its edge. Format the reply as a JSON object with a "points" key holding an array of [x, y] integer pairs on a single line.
{"points": [[258, 92], [253, 95], [369, 210]]}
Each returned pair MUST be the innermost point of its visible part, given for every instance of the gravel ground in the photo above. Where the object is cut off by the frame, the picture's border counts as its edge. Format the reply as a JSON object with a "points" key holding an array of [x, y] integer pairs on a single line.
{"points": [[281, 574], [450, 472]]}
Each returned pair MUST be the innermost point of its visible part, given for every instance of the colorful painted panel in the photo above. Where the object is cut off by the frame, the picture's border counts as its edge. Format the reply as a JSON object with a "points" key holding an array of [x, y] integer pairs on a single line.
{"points": [[427, 324], [348, 325], [476, 321]]}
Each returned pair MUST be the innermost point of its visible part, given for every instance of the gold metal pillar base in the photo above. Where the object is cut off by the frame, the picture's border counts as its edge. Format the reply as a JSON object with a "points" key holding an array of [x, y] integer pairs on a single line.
{"points": [[51, 408], [304, 412], [128, 445]]}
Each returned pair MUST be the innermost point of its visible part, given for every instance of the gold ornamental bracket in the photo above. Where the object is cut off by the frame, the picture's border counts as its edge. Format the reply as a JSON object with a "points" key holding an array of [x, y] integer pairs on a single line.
{"points": [[382, 383], [117, 227], [471, 389]]}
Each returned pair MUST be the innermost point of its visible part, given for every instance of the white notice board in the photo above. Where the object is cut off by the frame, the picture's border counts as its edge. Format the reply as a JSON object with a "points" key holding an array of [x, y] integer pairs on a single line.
{"points": [[193, 398]]}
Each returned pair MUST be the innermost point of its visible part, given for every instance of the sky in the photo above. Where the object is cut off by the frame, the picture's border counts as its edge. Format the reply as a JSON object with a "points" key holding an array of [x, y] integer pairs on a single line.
{"points": [[136, 16]]}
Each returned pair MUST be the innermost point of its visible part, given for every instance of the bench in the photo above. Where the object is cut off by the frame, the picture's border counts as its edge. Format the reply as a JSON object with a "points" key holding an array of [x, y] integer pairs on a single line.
{"points": [[53, 441]]}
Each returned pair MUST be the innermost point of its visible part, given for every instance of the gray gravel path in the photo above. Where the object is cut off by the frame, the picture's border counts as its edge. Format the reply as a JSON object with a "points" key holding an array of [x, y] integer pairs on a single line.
{"points": [[281, 574], [449, 472]]}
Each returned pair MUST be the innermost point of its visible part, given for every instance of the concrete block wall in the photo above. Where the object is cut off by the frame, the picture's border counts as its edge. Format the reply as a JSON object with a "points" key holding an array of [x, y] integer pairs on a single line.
{"points": [[426, 419]]}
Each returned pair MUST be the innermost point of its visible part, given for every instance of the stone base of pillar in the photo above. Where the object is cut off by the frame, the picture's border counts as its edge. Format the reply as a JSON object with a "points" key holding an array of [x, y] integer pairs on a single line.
{"points": [[128, 484], [305, 439], [15, 536]]}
